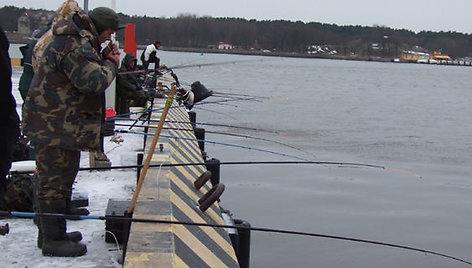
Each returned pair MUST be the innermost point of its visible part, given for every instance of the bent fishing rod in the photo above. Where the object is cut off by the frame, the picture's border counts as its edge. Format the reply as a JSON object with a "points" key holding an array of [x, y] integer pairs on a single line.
{"points": [[236, 98], [235, 163], [183, 66], [213, 142], [210, 124], [225, 134], [238, 95], [180, 106], [222, 93], [29, 215], [213, 64]]}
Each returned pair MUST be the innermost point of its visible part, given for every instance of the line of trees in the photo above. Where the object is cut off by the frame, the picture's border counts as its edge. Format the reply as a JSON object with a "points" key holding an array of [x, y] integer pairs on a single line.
{"points": [[281, 35], [288, 36]]}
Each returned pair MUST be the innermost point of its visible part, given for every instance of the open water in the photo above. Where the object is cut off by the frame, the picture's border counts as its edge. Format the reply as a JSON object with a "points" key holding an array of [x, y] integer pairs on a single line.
{"points": [[411, 117]]}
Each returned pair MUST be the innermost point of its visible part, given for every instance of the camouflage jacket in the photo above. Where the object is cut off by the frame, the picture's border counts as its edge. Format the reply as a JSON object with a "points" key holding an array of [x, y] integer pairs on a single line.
{"points": [[65, 102]]}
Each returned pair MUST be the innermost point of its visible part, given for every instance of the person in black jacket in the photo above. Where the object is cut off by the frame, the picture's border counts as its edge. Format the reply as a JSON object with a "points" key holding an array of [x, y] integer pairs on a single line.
{"points": [[27, 51], [128, 86], [9, 120]]}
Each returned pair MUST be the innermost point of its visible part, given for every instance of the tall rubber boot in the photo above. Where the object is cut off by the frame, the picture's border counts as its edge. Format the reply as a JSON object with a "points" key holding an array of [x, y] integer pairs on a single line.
{"points": [[72, 236], [55, 241]]}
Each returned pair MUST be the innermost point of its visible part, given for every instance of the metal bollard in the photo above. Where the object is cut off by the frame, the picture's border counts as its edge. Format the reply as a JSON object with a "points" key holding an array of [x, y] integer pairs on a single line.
{"points": [[200, 135], [193, 118], [213, 165]]}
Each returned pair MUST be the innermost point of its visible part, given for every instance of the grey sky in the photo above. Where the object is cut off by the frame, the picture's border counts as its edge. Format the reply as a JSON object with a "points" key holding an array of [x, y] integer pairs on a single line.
{"points": [[415, 15]]}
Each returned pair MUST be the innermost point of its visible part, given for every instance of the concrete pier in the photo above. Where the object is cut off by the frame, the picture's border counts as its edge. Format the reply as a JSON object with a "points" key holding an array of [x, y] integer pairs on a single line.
{"points": [[169, 194]]}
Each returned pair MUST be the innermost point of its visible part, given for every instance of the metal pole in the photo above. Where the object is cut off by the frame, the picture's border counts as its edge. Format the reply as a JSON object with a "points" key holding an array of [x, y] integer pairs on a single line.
{"points": [[86, 6]]}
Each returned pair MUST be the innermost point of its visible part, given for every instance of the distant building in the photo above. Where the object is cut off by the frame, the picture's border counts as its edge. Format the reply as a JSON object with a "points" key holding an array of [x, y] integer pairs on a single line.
{"points": [[24, 24], [321, 49], [32, 20], [225, 46], [423, 57], [414, 56], [437, 55]]}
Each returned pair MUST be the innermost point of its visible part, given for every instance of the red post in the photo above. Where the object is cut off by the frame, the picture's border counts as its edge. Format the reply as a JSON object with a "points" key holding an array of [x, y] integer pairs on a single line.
{"points": [[130, 39]]}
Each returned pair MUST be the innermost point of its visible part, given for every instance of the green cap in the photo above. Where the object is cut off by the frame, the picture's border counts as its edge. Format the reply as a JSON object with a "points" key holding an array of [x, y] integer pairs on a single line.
{"points": [[105, 18]]}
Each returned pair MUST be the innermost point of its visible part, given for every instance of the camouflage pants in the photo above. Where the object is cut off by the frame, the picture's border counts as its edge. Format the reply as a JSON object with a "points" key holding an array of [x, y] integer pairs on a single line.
{"points": [[57, 168]]}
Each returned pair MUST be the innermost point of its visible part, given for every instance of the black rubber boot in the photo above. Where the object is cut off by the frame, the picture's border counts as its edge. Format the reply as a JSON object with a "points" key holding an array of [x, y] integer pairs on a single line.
{"points": [[63, 248], [56, 242], [72, 236], [53, 232]]}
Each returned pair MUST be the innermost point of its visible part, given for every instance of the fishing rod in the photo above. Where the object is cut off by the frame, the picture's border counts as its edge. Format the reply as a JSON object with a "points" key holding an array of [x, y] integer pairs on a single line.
{"points": [[216, 92], [215, 125], [213, 142], [175, 107], [226, 100], [213, 64], [29, 215], [238, 95], [183, 66], [226, 134], [234, 163], [256, 99]]}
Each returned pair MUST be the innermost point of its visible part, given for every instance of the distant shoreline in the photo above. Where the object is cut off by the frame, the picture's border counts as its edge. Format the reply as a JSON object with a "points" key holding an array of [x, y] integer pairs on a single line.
{"points": [[299, 55], [16, 38], [270, 54]]}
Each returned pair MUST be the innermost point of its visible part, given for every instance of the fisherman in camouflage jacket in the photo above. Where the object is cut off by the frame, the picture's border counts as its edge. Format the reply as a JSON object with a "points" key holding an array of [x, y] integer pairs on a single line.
{"points": [[63, 115]]}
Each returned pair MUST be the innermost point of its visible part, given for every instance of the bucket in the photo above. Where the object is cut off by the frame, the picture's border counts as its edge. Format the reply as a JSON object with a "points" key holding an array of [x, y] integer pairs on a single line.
{"points": [[109, 124]]}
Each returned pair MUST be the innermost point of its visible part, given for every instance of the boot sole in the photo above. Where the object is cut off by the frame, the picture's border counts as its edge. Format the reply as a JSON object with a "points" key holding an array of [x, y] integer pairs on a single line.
{"points": [[55, 254]]}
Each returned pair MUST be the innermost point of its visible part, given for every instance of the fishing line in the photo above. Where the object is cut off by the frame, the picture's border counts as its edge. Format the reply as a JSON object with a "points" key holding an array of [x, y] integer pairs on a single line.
{"points": [[237, 95], [29, 215], [255, 99], [221, 104], [214, 142], [228, 134], [220, 113], [258, 138], [223, 101]]}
